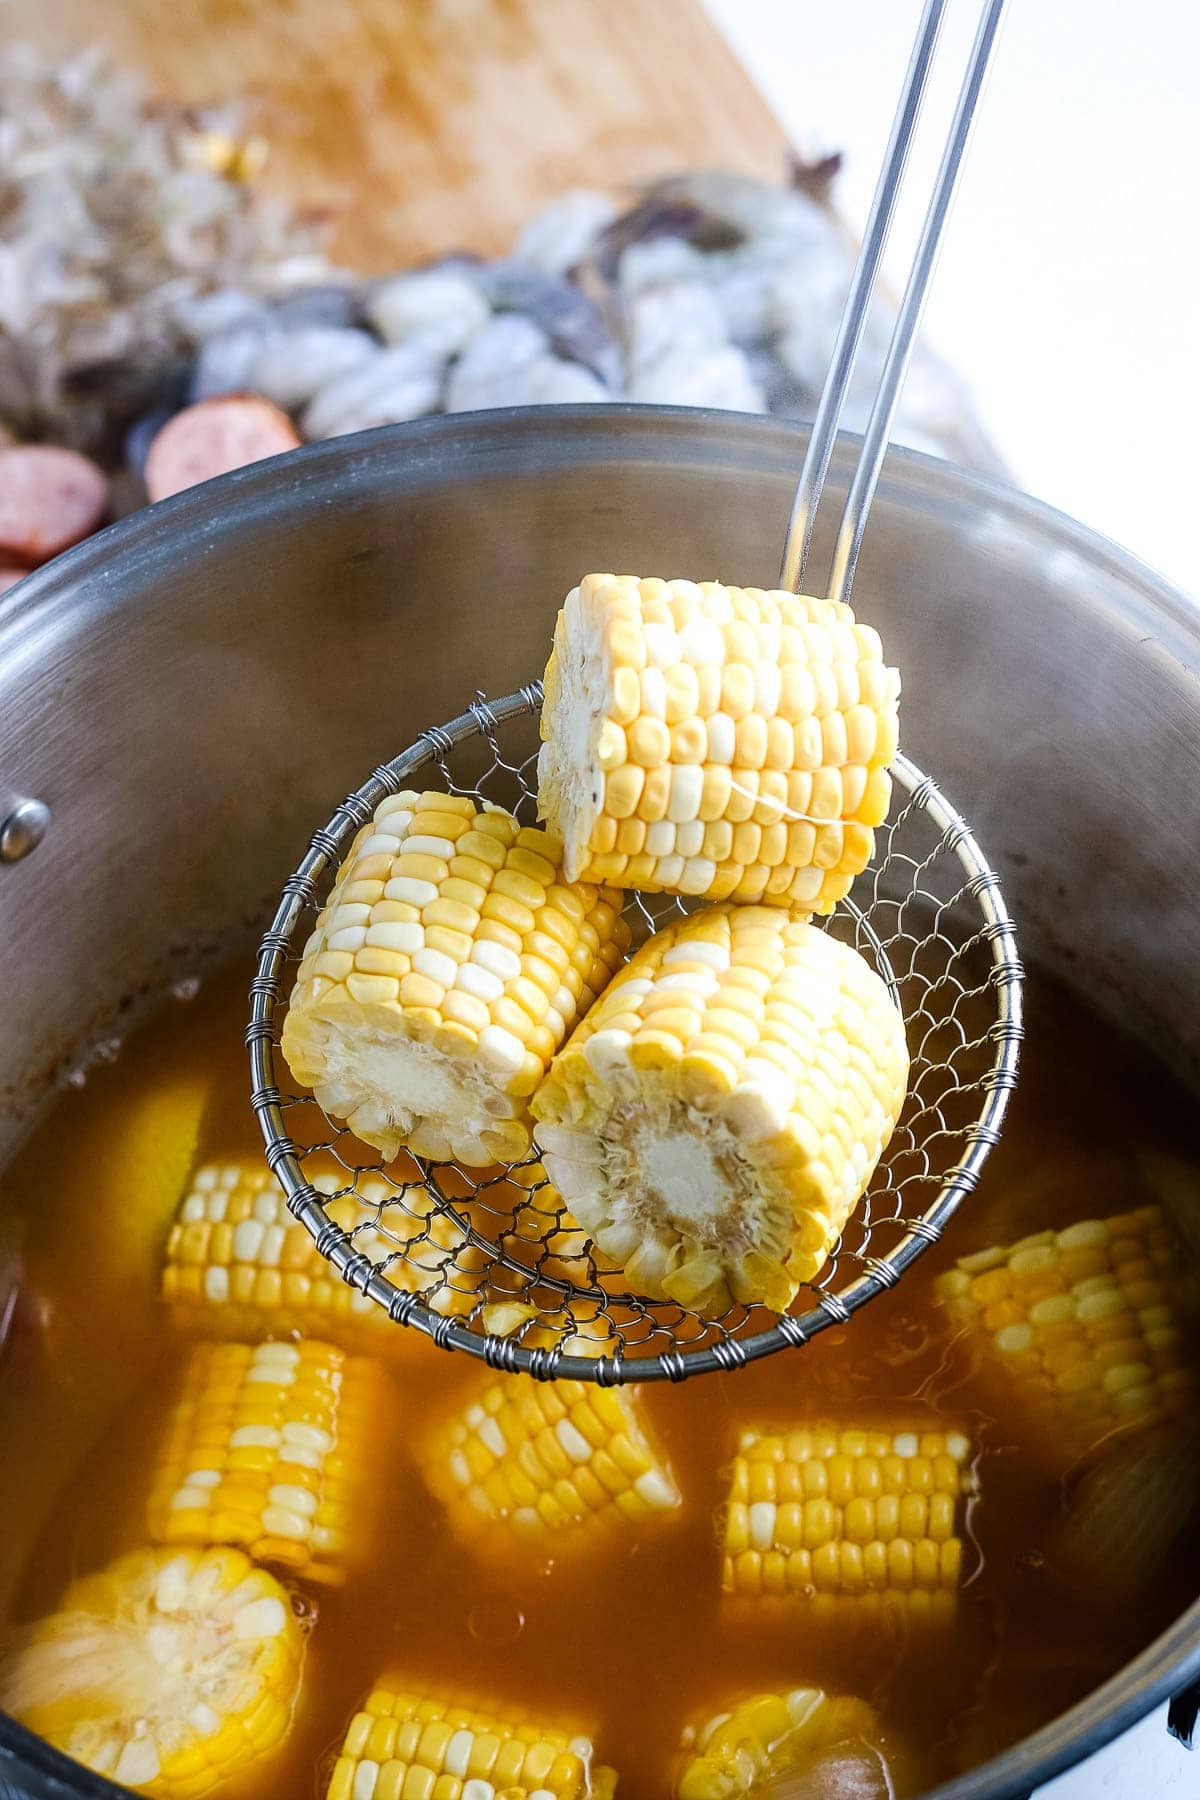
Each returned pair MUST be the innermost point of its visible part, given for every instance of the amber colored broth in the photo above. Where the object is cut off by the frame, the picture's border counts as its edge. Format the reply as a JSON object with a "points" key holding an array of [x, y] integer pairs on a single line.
{"points": [[628, 1641]]}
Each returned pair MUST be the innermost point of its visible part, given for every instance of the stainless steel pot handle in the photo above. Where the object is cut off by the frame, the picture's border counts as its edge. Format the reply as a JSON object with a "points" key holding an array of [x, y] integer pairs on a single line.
{"points": [[1182, 1714]]}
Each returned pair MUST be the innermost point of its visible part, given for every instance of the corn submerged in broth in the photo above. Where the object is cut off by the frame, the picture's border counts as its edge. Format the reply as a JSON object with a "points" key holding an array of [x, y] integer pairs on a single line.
{"points": [[1086, 1325], [604, 1567], [171, 1670], [270, 1447], [807, 1741], [239, 1264], [862, 1516], [548, 1462], [403, 1744]]}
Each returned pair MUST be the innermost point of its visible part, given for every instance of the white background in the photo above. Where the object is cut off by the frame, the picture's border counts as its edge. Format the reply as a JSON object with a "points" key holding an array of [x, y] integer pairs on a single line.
{"points": [[1069, 288], [1068, 293]]}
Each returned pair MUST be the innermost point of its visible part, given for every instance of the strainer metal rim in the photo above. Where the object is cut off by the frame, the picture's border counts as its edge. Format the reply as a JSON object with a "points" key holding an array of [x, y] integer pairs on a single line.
{"points": [[789, 1331]]}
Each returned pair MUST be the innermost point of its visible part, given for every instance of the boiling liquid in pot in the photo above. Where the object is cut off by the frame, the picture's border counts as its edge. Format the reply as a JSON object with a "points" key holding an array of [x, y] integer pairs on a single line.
{"points": [[629, 1642]]}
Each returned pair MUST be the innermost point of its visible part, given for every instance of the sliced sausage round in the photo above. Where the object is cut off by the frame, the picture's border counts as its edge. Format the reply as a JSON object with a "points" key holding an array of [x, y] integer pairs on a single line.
{"points": [[213, 437], [49, 499]]}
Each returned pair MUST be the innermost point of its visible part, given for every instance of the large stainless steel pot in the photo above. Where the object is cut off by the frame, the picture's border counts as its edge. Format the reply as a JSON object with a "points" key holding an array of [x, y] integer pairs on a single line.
{"points": [[190, 690]]}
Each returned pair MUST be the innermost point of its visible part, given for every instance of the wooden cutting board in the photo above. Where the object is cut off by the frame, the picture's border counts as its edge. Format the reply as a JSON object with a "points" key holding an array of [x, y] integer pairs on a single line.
{"points": [[429, 125]]}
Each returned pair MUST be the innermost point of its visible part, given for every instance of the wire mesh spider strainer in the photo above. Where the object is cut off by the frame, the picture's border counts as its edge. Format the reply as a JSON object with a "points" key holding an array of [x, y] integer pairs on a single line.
{"points": [[490, 1261]]}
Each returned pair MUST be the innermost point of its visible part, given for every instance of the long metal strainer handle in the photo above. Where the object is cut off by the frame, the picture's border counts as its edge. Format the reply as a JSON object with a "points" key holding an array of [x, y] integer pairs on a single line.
{"points": [[837, 380]]}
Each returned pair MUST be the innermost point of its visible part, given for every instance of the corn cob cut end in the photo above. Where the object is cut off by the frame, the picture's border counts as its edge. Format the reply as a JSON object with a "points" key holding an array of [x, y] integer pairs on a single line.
{"points": [[575, 690], [715, 1119], [402, 1743], [720, 742], [773, 1736], [170, 1671], [382, 1071], [547, 1463], [269, 1448], [445, 969], [848, 1520]]}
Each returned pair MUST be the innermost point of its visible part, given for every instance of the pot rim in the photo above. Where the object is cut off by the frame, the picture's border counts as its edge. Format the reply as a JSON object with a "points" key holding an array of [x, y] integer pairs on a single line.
{"points": [[700, 437], [906, 472]]}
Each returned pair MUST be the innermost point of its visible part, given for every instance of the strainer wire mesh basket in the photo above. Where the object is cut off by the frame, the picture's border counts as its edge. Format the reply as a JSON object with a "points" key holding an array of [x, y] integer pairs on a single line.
{"points": [[489, 1261]]}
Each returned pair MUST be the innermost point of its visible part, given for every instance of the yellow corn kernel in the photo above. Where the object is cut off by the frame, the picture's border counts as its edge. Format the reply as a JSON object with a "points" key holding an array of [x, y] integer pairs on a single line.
{"points": [[240, 1265]]}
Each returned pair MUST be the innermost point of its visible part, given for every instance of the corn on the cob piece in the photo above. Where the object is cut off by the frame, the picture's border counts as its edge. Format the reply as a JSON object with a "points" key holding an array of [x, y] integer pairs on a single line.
{"points": [[169, 1671], [717, 1116], [269, 1447], [402, 1744], [716, 741], [238, 1262], [447, 966], [1083, 1323], [149, 1163], [547, 1461], [830, 1510], [772, 1736]]}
